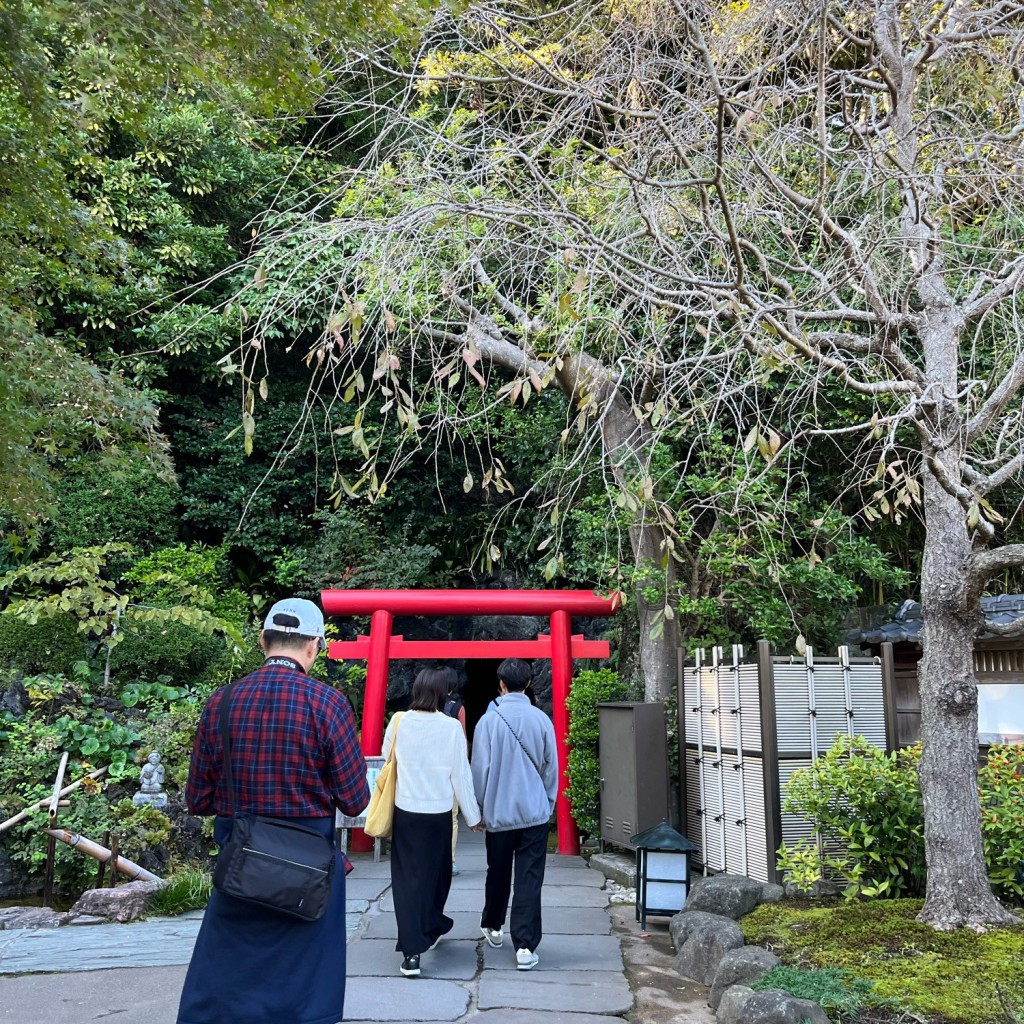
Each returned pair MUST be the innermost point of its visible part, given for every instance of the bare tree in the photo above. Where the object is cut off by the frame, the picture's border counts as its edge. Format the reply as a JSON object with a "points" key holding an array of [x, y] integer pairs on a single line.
{"points": [[655, 208]]}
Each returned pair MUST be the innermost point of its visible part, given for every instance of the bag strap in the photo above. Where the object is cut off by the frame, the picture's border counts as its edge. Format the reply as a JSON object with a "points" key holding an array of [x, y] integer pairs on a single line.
{"points": [[529, 756], [394, 738], [225, 743]]}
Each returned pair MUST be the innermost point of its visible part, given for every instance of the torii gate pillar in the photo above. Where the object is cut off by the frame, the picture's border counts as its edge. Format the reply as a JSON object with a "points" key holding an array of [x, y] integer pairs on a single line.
{"points": [[560, 646]]}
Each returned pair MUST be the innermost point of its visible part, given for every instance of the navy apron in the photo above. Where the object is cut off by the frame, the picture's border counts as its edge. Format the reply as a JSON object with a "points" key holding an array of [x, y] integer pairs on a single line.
{"points": [[258, 966]]}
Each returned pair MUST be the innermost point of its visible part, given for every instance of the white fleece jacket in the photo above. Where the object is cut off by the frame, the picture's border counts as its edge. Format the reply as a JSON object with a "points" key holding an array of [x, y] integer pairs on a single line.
{"points": [[432, 764]]}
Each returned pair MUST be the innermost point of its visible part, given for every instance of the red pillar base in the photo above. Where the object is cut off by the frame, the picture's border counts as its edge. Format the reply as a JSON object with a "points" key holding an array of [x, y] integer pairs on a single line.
{"points": [[360, 841]]}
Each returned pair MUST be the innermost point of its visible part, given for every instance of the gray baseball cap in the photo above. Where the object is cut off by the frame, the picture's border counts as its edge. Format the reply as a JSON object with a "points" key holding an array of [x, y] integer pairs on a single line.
{"points": [[296, 615]]}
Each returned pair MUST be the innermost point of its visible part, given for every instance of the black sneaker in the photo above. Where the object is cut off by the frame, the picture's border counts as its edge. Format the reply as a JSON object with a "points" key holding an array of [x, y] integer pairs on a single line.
{"points": [[411, 966]]}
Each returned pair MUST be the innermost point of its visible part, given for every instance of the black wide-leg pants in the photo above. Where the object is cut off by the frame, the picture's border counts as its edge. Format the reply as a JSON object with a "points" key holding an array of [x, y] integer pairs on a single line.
{"points": [[525, 850], [421, 878]]}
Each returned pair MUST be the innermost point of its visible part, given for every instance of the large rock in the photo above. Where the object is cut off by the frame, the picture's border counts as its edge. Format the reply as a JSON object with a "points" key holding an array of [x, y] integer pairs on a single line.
{"points": [[730, 895], [778, 1007], [681, 926], [741, 966], [702, 941], [30, 917], [733, 1005], [123, 903]]}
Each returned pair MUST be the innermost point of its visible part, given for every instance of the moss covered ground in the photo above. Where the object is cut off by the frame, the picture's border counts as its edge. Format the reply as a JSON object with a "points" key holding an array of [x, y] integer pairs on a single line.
{"points": [[942, 978]]}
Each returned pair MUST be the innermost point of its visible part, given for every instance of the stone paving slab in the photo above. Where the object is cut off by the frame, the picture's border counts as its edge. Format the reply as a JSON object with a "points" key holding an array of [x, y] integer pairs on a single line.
{"points": [[585, 992], [366, 868], [559, 875], [364, 888], [461, 899], [156, 942], [384, 926], [560, 921], [126, 996], [159, 942], [563, 953], [404, 999], [377, 958]]}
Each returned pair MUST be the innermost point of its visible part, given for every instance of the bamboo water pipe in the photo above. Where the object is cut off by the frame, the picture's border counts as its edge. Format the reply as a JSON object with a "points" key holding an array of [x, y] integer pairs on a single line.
{"points": [[101, 853], [22, 815]]}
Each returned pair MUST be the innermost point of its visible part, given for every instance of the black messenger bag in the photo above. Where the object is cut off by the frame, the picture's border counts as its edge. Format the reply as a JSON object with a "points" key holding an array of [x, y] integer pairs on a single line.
{"points": [[272, 862]]}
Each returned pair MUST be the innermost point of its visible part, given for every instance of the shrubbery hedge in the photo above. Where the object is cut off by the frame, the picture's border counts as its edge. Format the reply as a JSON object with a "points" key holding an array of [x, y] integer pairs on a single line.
{"points": [[51, 645]]}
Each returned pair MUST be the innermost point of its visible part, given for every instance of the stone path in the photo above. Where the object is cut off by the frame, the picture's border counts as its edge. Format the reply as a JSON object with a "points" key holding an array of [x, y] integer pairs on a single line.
{"points": [[132, 974]]}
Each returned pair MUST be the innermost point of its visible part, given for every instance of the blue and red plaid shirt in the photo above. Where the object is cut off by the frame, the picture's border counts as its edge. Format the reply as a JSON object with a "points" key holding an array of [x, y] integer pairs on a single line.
{"points": [[294, 750]]}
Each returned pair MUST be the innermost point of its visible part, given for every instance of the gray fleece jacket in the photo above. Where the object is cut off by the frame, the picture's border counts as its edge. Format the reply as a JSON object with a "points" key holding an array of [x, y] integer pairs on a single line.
{"points": [[512, 793]]}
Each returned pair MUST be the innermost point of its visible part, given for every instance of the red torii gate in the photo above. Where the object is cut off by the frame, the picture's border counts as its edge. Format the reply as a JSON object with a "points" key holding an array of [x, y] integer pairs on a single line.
{"points": [[560, 646]]}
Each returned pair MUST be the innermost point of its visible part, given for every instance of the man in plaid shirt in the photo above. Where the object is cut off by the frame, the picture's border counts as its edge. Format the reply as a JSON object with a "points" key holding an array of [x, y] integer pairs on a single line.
{"points": [[294, 754]]}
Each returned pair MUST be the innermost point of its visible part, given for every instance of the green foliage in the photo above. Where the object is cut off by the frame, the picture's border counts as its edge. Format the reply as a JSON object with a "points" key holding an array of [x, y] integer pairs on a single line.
{"points": [[98, 504], [1002, 818], [589, 688], [75, 583], [53, 644], [54, 404], [93, 736], [188, 889], [350, 553], [866, 804], [867, 807], [189, 574], [951, 976], [176, 651], [833, 989], [30, 753], [143, 642], [171, 729]]}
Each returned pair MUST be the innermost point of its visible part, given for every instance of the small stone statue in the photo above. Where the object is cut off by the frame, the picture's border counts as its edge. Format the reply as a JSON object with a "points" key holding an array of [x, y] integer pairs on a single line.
{"points": [[151, 778]]}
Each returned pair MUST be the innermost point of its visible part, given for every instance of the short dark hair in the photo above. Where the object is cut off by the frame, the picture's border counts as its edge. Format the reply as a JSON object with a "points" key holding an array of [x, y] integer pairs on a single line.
{"points": [[451, 678], [430, 690], [289, 641], [516, 674]]}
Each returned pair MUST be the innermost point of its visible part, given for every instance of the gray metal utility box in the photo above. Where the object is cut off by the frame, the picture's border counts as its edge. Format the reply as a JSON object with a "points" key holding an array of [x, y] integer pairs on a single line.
{"points": [[634, 769]]}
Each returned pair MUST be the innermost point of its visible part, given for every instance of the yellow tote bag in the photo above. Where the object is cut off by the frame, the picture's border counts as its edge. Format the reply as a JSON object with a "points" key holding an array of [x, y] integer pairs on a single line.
{"points": [[380, 814]]}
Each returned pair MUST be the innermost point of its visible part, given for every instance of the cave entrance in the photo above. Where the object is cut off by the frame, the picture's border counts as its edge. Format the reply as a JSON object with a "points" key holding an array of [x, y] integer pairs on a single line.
{"points": [[480, 689]]}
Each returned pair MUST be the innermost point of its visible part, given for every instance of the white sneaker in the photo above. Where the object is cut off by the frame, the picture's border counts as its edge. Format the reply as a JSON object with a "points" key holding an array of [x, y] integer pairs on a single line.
{"points": [[526, 960], [493, 936]]}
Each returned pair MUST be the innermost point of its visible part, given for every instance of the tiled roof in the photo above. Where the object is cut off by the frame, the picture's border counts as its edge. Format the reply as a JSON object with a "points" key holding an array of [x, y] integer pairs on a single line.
{"points": [[906, 626]]}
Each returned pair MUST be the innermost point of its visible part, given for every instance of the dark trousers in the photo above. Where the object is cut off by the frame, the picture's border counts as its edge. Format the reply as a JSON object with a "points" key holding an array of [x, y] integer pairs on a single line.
{"points": [[421, 877], [525, 849]]}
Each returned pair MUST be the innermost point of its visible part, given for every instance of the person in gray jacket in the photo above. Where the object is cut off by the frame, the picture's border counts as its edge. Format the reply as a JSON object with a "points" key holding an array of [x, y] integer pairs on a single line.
{"points": [[515, 775]]}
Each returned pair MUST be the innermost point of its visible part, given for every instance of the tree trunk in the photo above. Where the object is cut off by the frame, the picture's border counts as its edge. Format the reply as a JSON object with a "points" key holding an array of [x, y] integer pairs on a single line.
{"points": [[958, 893], [628, 451]]}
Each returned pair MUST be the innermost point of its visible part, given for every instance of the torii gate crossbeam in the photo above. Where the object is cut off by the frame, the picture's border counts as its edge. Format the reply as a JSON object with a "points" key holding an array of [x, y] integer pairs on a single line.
{"points": [[561, 647]]}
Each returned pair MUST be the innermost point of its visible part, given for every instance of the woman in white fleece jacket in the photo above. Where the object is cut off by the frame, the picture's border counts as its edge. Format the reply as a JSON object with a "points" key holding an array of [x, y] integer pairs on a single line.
{"points": [[433, 770]]}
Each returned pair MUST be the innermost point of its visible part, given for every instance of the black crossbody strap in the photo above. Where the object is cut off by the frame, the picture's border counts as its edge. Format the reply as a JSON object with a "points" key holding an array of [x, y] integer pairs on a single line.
{"points": [[225, 743], [519, 741]]}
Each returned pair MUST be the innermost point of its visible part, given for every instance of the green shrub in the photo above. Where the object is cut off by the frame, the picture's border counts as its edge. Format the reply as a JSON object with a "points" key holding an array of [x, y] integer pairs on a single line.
{"points": [[180, 652], [97, 504], [868, 809], [866, 806], [588, 690], [52, 645], [1002, 817], [183, 574]]}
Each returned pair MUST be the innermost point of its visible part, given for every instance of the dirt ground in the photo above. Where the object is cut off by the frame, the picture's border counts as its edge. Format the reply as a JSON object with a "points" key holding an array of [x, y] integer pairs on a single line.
{"points": [[661, 996]]}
